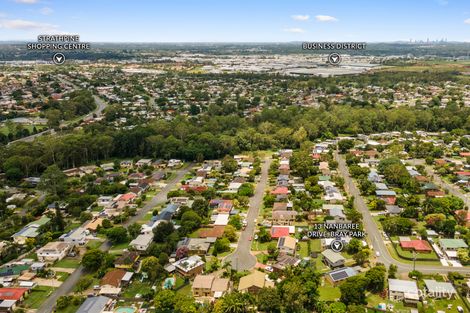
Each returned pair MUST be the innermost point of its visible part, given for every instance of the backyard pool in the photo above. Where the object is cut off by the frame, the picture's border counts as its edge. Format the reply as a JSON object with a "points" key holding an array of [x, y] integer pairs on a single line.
{"points": [[125, 310]]}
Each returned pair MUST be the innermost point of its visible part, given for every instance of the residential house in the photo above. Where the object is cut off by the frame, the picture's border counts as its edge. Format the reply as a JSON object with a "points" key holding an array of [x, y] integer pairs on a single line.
{"points": [[333, 259], [53, 251], [254, 282], [403, 290], [142, 242], [440, 290], [287, 245], [451, 246], [210, 286], [127, 260], [113, 278], [283, 261], [30, 231], [76, 236], [338, 275], [420, 246], [190, 266], [389, 196], [283, 217], [97, 304]]}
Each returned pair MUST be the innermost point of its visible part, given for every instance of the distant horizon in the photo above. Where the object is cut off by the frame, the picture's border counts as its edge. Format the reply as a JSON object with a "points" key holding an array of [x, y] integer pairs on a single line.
{"points": [[250, 42]]}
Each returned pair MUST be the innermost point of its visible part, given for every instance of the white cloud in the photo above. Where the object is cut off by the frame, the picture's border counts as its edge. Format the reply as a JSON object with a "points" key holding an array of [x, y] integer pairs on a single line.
{"points": [[294, 30], [26, 25], [46, 11], [27, 1], [443, 2], [467, 21], [3, 14], [300, 17], [325, 18]]}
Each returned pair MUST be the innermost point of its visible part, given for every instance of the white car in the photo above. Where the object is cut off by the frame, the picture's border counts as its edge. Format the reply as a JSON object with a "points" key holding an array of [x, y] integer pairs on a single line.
{"points": [[268, 268], [377, 253]]}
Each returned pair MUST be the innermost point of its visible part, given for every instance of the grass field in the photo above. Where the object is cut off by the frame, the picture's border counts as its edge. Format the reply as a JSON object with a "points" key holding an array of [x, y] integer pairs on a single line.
{"points": [[5, 131], [67, 263], [329, 293], [62, 276], [37, 296], [136, 287]]}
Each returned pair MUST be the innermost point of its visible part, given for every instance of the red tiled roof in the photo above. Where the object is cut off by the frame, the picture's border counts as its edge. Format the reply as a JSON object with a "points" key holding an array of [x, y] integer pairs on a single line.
{"points": [[435, 193], [463, 215], [12, 293], [417, 245], [113, 278], [464, 173], [464, 154], [280, 191], [216, 231], [279, 231], [128, 196]]}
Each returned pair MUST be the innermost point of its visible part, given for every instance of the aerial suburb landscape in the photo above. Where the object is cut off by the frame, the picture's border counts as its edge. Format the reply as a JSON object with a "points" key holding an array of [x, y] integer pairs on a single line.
{"points": [[236, 157]]}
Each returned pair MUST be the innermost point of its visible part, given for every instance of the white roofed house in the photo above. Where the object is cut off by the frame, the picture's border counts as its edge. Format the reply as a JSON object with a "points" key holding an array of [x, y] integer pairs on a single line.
{"points": [[76, 236], [403, 290], [190, 266], [439, 290], [142, 242], [333, 259], [53, 251]]}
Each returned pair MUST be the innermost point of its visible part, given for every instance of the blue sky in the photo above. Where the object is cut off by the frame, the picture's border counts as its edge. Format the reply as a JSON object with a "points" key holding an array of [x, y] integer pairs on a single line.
{"points": [[237, 20]]}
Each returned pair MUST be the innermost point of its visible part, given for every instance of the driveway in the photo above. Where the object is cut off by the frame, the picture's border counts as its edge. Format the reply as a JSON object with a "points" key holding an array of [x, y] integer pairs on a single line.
{"points": [[69, 284], [374, 233], [242, 259]]}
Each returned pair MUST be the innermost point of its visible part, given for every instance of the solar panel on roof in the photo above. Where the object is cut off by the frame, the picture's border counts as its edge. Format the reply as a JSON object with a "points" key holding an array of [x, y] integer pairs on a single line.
{"points": [[340, 275]]}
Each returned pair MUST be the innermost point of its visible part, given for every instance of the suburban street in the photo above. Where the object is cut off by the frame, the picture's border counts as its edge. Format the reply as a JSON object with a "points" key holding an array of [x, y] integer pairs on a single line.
{"points": [[374, 233], [454, 190], [98, 111], [72, 280], [242, 259]]}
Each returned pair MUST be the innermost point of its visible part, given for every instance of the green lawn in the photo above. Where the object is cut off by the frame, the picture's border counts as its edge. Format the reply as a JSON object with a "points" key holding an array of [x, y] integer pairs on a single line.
{"points": [[394, 254], [68, 263], [37, 296], [261, 246], [93, 244], [71, 226], [119, 247], [69, 309], [136, 287], [329, 293], [186, 290], [62, 276], [303, 252], [5, 131]]}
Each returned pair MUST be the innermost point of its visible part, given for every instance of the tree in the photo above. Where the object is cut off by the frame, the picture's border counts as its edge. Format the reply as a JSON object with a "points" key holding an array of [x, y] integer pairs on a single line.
{"points": [[63, 302], [392, 271], [134, 230], [354, 246], [117, 234], [415, 275], [236, 221], [269, 300], [344, 145], [397, 226], [246, 189], [376, 278], [353, 290], [293, 297], [190, 221], [54, 117], [83, 283], [230, 233], [335, 307], [229, 164], [463, 256], [362, 256], [235, 302], [264, 235], [152, 267], [221, 245], [163, 231], [92, 259], [53, 180], [164, 301]]}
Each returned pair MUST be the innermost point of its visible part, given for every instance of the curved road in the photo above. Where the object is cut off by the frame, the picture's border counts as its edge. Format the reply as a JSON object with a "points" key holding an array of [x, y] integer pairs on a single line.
{"points": [[72, 280], [242, 259], [98, 111], [375, 235]]}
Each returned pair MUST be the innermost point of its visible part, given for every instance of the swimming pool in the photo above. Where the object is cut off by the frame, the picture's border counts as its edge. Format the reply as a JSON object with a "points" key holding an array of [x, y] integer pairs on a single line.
{"points": [[125, 310]]}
